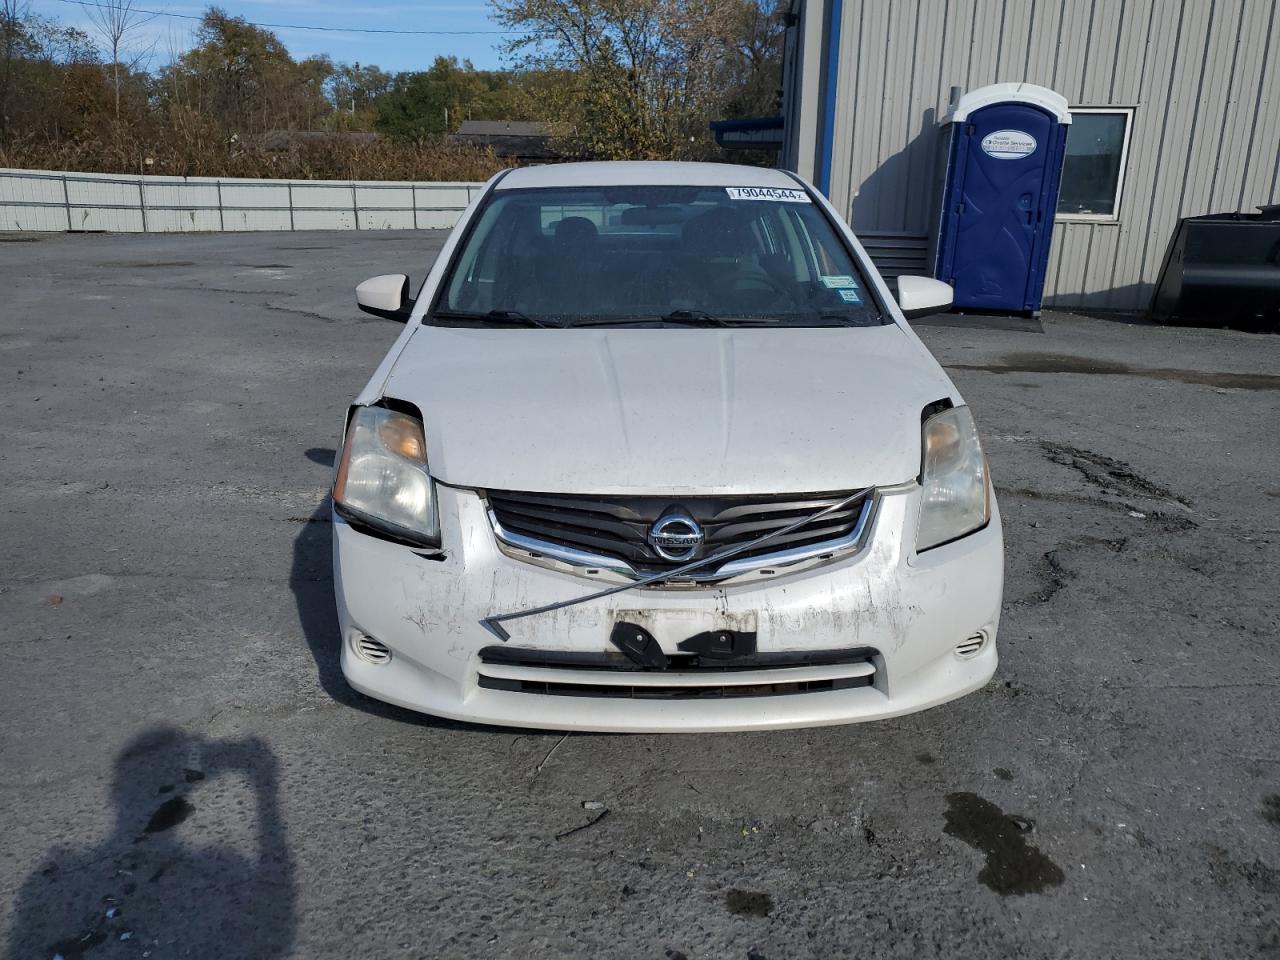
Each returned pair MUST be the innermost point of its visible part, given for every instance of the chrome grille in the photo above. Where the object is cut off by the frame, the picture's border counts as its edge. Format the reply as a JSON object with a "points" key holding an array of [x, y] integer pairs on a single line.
{"points": [[618, 527]]}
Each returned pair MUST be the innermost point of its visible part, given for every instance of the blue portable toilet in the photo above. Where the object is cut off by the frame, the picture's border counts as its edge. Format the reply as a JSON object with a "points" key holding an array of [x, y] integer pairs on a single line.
{"points": [[1004, 148]]}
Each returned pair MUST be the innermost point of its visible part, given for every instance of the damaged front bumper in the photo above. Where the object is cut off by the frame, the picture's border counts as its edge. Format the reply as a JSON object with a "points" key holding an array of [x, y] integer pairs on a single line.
{"points": [[877, 634]]}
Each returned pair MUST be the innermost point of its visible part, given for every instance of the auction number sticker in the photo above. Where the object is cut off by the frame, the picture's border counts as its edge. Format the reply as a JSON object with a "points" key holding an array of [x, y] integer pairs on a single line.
{"points": [[768, 193], [1009, 144]]}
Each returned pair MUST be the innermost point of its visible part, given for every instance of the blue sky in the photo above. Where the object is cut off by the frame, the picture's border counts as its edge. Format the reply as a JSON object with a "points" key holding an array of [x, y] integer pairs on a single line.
{"points": [[389, 51]]}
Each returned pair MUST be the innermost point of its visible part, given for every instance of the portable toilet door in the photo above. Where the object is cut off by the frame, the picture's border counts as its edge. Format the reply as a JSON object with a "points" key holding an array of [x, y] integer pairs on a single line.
{"points": [[1004, 162]]}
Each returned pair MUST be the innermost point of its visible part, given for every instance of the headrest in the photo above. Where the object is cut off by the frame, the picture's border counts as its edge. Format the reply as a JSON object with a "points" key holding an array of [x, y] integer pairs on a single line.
{"points": [[576, 231]]}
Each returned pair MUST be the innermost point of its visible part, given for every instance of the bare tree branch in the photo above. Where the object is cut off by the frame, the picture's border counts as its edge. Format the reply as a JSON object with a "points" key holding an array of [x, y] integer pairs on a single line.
{"points": [[115, 21]]}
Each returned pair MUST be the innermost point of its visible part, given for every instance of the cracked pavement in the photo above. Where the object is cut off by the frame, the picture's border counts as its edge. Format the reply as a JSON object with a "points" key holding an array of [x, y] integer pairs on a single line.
{"points": [[183, 771]]}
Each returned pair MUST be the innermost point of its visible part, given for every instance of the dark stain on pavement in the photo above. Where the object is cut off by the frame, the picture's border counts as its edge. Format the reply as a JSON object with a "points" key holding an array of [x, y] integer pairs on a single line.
{"points": [[1107, 473], [1259, 877], [150, 264], [926, 758], [748, 903], [1013, 865], [169, 814], [1062, 363], [1271, 809], [1003, 773], [74, 948]]}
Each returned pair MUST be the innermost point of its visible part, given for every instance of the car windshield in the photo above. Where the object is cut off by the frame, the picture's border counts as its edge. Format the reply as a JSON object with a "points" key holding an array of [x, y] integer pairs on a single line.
{"points": [[637, 255]]}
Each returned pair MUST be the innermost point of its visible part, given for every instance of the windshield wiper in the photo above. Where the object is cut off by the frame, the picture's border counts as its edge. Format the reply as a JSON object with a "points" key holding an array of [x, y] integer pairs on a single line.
{"points": [[691, 317], [502, 316]]}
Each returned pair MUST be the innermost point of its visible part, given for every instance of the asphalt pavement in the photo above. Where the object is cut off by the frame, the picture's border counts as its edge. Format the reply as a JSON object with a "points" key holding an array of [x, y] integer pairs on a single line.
{"points": [[184, 773]]}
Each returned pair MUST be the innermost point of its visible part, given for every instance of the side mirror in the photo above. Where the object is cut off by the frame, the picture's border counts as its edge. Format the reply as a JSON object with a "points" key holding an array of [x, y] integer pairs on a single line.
{"points": [[921, 296], [386, 296]]}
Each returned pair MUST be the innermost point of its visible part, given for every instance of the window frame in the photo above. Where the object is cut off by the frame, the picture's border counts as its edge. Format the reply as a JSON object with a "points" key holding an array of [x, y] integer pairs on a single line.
{"points": [[1114, 216]]}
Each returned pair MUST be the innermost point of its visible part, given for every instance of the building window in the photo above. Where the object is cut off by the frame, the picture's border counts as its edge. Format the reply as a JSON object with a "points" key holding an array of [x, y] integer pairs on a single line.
{"points": [[1093, 170]]}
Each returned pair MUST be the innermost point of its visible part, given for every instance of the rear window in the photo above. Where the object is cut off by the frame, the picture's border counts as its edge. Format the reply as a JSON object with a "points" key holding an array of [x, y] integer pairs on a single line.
{"points": [[566, 256]]}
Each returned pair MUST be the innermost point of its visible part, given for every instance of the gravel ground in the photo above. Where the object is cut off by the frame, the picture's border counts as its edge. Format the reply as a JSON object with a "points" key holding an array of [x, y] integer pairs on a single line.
{"points": [[183, 772]]}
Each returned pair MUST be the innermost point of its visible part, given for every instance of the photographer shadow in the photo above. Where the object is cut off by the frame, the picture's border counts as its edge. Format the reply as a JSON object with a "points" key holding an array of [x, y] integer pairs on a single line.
{"points": [[145, 887]]}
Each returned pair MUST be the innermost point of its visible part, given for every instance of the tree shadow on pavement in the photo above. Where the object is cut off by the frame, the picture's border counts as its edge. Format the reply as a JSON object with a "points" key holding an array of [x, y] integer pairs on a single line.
{"points": [[146, 889]]}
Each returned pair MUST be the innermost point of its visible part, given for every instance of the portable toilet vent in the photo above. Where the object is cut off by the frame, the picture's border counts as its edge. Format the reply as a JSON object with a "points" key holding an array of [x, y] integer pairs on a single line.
{"points": [[1004, 148]]}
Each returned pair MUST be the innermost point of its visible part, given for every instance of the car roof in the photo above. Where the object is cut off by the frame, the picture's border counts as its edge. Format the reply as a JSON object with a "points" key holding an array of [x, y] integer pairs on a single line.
{"points": [[648, 173]]}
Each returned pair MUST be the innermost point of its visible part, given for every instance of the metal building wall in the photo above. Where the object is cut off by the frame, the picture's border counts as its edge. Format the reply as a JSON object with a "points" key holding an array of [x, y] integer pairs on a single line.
{"points": [[1203, 77]]}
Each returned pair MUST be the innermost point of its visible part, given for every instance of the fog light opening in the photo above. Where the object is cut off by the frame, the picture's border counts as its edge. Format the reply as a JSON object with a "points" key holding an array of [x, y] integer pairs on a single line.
{"points": [[972, 646], [370, 650]]}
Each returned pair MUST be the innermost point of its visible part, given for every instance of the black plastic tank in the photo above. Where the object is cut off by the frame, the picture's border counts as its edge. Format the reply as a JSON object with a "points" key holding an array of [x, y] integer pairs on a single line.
{"points": [[1223, 270]]}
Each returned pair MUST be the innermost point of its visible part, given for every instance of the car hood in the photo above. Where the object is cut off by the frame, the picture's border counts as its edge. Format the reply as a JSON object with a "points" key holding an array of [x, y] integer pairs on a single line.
{"points": [[669, 410]]}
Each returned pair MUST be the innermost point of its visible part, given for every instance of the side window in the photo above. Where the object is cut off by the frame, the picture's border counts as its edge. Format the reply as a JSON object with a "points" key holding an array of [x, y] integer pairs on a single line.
{"points": [[1093, 169]]}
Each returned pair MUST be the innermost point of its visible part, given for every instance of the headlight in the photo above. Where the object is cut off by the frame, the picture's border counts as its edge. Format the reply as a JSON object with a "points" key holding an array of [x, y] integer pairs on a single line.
{"points": [[382, 478], [956, 496]]}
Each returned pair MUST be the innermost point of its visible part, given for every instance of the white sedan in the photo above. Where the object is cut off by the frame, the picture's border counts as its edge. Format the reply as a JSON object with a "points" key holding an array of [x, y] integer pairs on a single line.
{"points": [[658, 451]]}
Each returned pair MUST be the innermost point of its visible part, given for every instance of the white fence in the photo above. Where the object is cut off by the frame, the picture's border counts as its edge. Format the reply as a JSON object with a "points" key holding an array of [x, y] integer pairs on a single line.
{"points": [[50, 200]]}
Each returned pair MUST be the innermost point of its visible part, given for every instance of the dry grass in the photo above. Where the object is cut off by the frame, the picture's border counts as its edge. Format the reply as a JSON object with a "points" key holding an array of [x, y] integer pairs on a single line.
{"points": [[192, 151]]}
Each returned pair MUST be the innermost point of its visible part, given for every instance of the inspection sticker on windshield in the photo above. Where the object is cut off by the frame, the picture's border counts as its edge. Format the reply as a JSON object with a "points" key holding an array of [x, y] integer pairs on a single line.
{"points": [[850, 296], [836, 283], [767, 193]]}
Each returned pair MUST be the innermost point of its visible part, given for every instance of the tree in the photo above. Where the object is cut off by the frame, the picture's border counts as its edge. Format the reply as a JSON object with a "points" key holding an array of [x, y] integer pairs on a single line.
{"points": [[353, 89], [15, 41], [116, 21], [242, 77], [646, 76], [49, 74], [436, 101]]}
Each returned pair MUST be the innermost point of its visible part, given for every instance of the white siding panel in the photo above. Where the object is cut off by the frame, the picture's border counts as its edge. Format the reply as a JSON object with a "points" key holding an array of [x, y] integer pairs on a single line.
{"points": [[1238, 118], [1131, 51], [380, 197], [1146, 142], [1076, 47], [928, 103], [386, 220], [436, 219], [103, 192], [177, 193], [324, 219], [439, 195], [32, 189], [256, 219], [864, 116], [1182, 108], [1015, 34], [1101, 64], [1095, 285], [247, 194], [17, 217], [183, 221], [1042, 43], [107, 219], [326, 196], [848, 130], [1214, 85], [1258, 184]]}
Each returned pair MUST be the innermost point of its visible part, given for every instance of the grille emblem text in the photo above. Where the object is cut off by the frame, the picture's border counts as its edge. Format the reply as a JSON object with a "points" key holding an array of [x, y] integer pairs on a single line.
{"points": [[676, 536]]}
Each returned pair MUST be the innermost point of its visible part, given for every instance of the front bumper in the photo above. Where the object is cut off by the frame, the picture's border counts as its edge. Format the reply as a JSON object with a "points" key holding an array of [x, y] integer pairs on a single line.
{"points": [[912, 610]]}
